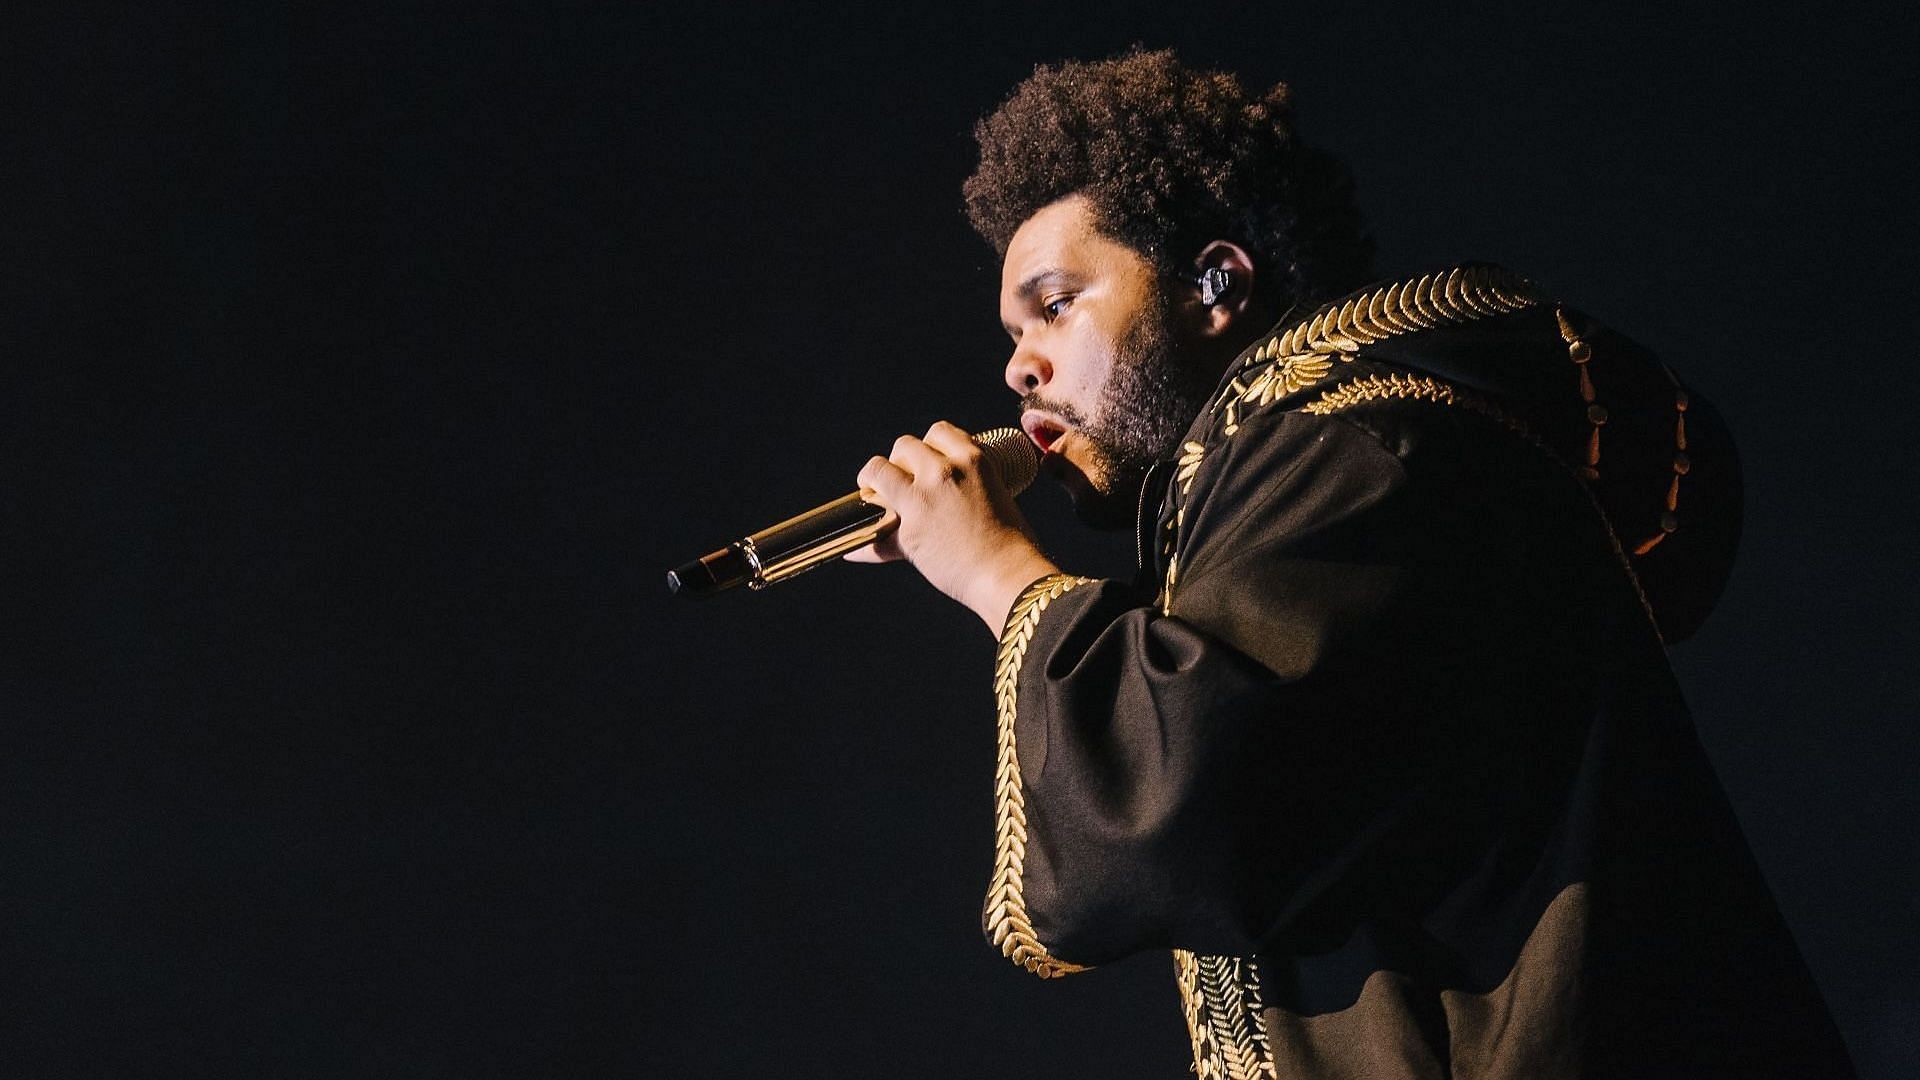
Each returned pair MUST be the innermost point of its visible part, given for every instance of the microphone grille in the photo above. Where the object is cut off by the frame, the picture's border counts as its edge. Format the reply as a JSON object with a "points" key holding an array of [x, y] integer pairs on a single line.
{"points": [[1013, 455]]}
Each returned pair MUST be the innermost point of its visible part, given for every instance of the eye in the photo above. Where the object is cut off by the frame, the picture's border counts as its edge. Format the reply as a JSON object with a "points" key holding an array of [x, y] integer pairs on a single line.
{"points": [[1055, 307]]}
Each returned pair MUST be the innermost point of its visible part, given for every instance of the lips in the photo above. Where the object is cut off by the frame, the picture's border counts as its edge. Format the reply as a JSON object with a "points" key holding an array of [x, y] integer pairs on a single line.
{"points": [[1044, 430]]}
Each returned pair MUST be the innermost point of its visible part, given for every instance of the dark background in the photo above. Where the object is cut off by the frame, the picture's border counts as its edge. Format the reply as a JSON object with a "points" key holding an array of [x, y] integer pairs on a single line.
{"points": [[365, 372]]}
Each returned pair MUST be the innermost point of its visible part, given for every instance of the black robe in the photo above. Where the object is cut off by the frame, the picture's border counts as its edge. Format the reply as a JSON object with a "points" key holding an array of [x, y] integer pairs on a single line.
{"points": [[1383, 743]]}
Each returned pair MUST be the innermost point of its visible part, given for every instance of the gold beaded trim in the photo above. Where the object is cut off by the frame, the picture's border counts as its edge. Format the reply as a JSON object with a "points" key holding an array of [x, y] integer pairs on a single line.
{"points": [[1226, 1018], [1006, 909], [1682, 464], [1581, 354]]}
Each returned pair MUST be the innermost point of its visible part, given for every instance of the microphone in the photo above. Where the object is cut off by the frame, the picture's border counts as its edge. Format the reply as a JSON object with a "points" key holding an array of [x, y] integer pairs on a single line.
{"points": [[830, 530]]}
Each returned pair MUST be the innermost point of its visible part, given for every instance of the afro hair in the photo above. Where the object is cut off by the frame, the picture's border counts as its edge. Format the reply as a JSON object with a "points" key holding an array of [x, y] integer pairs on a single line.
{"points": [[1170, 159]]}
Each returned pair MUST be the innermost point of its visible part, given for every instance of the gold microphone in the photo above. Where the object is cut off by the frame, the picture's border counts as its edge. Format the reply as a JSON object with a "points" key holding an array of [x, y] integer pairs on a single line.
{"points": [[830, 530]]}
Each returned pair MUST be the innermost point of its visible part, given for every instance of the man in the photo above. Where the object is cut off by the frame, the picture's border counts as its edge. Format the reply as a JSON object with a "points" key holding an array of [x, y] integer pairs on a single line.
{"points": [[1382, 744]]}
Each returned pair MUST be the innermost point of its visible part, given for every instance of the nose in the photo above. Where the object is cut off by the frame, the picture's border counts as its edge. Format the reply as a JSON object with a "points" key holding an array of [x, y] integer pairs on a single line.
{"points": [[1027, 371]]}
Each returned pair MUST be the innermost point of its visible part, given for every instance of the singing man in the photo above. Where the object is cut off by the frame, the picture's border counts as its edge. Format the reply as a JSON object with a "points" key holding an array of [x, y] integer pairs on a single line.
{"points": [[1381, 743]]}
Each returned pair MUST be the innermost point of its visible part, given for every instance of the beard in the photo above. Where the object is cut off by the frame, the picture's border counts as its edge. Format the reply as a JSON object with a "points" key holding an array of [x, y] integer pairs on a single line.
{"points": [[1149, 400]]}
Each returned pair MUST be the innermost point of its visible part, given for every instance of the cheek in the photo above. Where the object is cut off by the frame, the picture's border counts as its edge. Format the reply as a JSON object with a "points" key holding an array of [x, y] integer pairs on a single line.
{"points": [[1090, 363], [1093, 375]]}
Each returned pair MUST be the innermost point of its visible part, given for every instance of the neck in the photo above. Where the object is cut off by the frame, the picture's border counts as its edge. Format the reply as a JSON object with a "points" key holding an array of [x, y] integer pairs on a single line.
{"points": [[1220, 353]]}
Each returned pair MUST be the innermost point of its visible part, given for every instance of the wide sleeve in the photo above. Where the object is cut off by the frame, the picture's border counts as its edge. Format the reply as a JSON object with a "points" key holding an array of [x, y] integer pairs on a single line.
{"points": [[1186, 774]]}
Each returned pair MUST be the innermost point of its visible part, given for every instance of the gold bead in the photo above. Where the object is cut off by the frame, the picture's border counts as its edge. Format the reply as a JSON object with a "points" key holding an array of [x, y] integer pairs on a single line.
{"points": [[1580, 352]]}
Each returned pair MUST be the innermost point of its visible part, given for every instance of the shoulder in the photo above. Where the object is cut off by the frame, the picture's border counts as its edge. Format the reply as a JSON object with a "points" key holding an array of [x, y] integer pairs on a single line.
{"points": [[1356, 350], [1479, 361]]}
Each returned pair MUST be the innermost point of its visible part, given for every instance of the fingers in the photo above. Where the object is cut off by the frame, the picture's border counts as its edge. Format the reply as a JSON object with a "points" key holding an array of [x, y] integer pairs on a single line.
{"points": [[955, 444], [922, 462], [882, 483], [886, 480], [962, 451], [946, 454]]}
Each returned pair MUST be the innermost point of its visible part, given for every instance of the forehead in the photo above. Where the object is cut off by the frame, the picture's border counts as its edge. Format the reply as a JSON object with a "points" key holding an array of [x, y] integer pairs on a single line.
{"points": [[1054, 228], [1061, 237]]}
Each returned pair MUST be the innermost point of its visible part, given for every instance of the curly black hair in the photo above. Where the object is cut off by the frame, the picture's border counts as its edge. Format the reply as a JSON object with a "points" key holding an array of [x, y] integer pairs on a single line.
{"points": [[1172, 158]]}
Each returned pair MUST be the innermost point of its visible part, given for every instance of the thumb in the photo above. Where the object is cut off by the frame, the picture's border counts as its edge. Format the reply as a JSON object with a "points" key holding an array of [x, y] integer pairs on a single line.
{"points": [[886, 549]]}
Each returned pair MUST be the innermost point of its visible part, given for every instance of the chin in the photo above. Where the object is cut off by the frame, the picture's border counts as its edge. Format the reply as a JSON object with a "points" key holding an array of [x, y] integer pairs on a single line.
{"points": [[1107, 502]]}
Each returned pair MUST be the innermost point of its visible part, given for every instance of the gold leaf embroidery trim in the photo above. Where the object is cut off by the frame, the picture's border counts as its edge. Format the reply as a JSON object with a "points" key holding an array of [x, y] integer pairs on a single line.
{"points": [[1417, 387], [1189, 464], [1461, 294], [1007, 924], [1225, 1016], [1283, 377], [1304, 354]]}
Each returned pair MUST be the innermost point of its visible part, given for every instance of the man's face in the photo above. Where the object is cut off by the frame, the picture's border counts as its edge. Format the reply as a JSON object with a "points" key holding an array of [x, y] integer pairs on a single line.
{"points": [[1102, 393]]}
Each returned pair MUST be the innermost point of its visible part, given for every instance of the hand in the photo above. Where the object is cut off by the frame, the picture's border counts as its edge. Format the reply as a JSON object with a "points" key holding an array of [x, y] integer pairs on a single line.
{"points": [[958, 524]]}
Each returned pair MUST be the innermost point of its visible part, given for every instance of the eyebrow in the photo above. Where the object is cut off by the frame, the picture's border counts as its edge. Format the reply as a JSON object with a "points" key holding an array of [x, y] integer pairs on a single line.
{"points": [[1029, 287]]}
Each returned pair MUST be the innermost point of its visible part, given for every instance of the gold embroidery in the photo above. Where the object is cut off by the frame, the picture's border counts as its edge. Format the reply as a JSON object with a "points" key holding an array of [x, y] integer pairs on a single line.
{"points": [[1461, 294], [1225, 1016], [1418, 387], [1189, 465], [1221, 994], [1284, 377], [1304, 354], [1006, 909]]}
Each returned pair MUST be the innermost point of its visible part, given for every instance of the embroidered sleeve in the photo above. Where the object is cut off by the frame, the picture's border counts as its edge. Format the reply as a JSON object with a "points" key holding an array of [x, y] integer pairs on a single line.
{"points": [[1007, 924]]}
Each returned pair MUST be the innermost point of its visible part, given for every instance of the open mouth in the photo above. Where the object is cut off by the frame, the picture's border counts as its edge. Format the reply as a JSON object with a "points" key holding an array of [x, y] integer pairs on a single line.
{"points": [[1044, 430]]}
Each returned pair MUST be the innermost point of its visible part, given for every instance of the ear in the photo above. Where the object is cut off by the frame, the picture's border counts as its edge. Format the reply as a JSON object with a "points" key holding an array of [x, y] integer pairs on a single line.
{"points": [[1232, 304]]}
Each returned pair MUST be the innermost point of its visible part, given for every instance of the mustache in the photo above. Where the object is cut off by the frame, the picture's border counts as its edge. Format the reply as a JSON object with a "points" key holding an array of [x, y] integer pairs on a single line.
{"points": [[1067, 413]]}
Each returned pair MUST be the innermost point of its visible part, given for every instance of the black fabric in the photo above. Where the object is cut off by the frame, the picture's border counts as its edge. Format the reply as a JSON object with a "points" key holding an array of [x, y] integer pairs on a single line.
{"points": [[1522, 362], [1409, 736]]}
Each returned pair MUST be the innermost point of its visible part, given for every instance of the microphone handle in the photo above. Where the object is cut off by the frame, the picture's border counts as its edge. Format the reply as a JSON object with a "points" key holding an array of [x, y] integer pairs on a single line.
{"points": [[829, 531], [777, 553]]}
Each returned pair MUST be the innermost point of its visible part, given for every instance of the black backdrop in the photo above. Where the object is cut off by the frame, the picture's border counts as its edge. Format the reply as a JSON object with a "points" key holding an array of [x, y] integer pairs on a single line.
{"points": [[365, 371]]}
